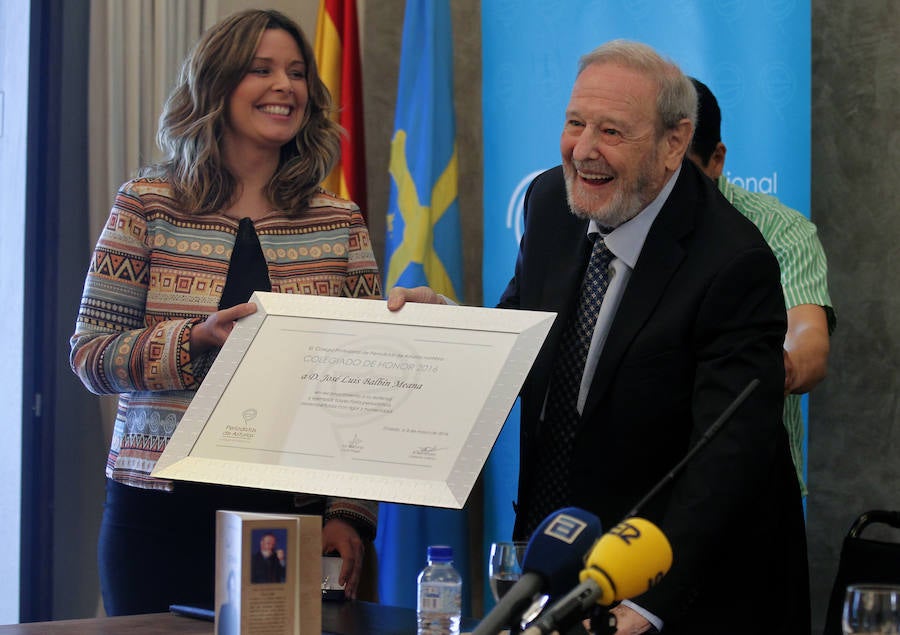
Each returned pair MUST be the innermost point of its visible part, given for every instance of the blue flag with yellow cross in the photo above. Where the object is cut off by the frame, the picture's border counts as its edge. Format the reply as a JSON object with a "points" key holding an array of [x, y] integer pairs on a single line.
{"points": [[423, 248], [423, 229]]}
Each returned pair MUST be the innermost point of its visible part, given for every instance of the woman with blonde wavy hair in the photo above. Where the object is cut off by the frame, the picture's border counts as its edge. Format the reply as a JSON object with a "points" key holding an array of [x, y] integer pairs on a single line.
{"points": [[234, 207]]}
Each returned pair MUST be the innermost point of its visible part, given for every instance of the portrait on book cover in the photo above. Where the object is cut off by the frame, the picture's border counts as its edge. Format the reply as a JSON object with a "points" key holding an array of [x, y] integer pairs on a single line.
{"points": [[268, 562]]}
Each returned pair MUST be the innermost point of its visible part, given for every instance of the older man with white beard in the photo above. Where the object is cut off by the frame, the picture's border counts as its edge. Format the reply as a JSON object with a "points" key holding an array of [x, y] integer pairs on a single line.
{"points": [[669, 305]]}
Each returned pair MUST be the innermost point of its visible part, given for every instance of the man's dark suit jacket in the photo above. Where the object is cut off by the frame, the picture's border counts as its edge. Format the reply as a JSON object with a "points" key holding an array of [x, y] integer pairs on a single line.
{"points": [[703, 314]]}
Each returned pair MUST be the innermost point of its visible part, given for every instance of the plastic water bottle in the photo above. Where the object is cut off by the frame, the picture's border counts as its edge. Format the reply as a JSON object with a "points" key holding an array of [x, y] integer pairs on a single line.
{"points": [[439, 594]]}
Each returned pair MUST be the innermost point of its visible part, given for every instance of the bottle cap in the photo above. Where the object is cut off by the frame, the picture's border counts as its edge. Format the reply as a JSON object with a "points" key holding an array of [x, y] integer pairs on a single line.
{"points": [[440, 553]]}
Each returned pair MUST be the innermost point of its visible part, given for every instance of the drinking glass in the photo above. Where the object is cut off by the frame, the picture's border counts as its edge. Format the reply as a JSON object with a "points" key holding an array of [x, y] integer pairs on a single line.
{"points": [[505, 566], [871, 609]]}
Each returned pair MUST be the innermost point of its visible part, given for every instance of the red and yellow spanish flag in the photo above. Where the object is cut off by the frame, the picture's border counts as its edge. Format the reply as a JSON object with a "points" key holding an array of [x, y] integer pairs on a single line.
{"points": [[337, 55]]}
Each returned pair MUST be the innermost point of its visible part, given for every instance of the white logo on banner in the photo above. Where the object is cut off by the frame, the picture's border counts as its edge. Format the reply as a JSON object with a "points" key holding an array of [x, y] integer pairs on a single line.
{"points": [[759, 184], [515, 211]]}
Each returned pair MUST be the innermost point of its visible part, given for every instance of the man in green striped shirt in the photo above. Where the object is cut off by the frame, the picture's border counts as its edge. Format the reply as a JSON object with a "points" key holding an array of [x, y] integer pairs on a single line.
{"points": [[792, 238]]}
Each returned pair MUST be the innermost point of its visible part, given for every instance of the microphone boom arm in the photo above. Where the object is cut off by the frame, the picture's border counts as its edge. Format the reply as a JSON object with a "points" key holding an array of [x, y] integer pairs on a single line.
{"points": [[710, 432]]}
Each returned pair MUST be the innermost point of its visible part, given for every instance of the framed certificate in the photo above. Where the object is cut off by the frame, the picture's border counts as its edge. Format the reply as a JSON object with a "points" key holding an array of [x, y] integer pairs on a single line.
{"points": [[342, 397]]}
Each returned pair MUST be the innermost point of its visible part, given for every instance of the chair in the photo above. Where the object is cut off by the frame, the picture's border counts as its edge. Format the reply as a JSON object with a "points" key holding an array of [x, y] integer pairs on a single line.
{"points": [[863, 561]]}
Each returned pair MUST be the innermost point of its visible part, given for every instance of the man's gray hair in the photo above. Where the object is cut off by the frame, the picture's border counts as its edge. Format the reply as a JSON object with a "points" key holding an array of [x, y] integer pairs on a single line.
{"points": [[676, 99]]}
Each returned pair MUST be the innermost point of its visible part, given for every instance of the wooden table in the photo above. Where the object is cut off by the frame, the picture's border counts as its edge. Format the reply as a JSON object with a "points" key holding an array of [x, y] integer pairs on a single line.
{"points": [[154, 624], [338, 618]]}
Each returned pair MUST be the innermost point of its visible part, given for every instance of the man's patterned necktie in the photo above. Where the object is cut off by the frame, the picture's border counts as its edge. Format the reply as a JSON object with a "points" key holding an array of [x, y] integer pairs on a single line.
{"points": [[550, 488]]}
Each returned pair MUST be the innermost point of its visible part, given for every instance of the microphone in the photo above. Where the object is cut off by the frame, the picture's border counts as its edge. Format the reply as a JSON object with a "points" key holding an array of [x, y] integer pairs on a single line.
{"points": [[626, 561], [553, 558]]}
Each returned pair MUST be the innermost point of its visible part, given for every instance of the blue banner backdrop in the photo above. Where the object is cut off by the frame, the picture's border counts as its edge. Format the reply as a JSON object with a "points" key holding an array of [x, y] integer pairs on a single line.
{"points": [[754, 56]]}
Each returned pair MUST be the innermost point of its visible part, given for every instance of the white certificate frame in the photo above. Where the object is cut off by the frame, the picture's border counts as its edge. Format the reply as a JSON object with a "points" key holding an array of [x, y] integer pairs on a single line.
{"points": [[341, 397]]}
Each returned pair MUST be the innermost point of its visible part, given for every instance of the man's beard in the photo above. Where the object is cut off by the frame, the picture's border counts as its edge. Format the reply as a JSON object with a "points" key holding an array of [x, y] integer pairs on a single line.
{"points": [[627, 201]]}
